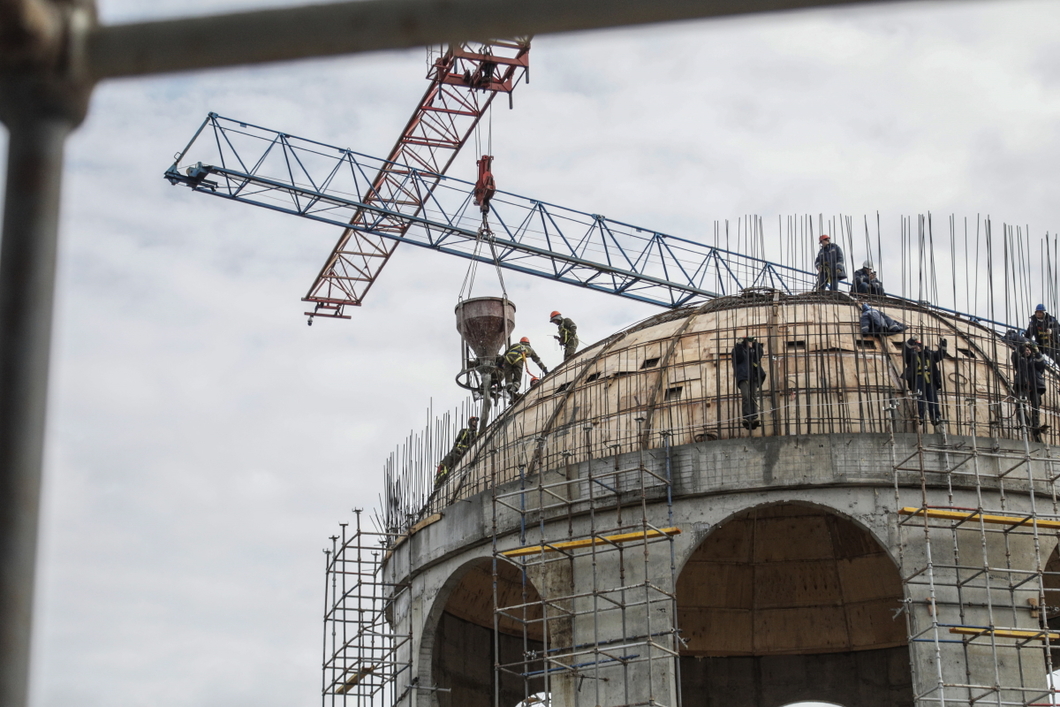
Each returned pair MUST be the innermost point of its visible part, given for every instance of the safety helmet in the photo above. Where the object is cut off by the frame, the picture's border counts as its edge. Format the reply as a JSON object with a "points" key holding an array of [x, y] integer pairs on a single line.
{"points": [[1040, 308], [472, 419], [524, 340], [867, 265], [554, 315], [824, 237]]}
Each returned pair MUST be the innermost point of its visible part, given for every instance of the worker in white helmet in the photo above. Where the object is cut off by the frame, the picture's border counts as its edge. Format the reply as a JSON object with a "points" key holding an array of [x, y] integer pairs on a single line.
{"points": [[866, 282]]}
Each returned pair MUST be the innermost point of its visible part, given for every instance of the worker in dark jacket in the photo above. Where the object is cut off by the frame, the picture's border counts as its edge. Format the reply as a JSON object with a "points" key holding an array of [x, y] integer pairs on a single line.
{"points": [[514, 360], [831, 267], [924, 378], [568, 334], [876, 323], [1029, 368], [463, 441], [749, 374], [1045, 332], [865, 281]]}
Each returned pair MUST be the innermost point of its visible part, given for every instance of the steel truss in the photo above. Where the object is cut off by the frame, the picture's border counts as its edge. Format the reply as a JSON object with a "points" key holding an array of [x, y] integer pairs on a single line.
{"points": [[274, 170], [364, 655], [604, 628]]}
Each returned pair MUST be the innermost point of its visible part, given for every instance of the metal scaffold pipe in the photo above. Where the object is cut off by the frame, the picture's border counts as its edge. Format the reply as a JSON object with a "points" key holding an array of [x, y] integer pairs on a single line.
{"points": [[377, 25], [27, 283]]}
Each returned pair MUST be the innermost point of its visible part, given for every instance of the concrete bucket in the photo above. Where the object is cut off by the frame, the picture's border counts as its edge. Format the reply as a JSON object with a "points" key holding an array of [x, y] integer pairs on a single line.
{"points": [[485, 323]]}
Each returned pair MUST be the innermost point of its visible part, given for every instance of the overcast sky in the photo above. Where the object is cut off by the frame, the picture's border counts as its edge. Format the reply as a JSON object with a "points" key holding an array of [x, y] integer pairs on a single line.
{"points": [[203, 442]]}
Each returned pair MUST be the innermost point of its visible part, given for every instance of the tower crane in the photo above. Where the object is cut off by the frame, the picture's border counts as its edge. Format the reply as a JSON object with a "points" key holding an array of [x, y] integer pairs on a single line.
{"points": [[464, 80], [251, 164]]}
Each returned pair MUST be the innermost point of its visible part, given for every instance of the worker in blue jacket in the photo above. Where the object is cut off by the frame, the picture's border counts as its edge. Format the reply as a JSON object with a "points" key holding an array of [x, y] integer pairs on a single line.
{"points": [[749, 374], [1044, 331], [925, 379], [1029, 368], [830, 265]]}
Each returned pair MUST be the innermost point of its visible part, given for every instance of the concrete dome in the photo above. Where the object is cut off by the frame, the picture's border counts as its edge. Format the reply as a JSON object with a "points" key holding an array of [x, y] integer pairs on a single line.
{"points": [[669, 379]]}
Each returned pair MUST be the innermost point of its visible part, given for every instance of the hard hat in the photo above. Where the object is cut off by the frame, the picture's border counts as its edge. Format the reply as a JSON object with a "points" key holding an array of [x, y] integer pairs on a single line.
{"points": [[472, 418], [824, 237], [867, 265], [524, 340], [1040, 308], [554, 315]]}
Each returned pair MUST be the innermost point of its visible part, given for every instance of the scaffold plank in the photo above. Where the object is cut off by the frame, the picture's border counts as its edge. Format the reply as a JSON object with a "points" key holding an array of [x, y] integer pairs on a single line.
{"points": [[589, 542], [1006, 633], [984, 517]]}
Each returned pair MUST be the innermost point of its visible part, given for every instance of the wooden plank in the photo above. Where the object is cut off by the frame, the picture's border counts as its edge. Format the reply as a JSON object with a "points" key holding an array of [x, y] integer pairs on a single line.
{"points": [[1006, 633], [589, 542], [973, 516]]}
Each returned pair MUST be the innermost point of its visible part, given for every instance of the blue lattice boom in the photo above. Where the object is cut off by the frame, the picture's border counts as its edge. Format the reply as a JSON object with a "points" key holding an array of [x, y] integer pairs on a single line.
{"points": [[247, 163]]}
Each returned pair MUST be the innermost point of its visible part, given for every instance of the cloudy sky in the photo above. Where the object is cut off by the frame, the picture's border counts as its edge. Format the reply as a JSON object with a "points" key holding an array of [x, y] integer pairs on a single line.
{"points": [[203, 442]]}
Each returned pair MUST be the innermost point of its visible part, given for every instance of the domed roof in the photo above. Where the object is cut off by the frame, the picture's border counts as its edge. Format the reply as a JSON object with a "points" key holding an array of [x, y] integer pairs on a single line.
{"points": [[671, 376]]}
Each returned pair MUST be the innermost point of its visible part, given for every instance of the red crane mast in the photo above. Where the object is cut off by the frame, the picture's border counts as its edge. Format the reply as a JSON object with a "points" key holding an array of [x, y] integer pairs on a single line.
{"points": [[464, 82]]}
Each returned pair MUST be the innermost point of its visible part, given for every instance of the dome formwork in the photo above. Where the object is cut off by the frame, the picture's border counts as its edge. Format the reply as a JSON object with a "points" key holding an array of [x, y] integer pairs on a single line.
{"points": [[671, 374], [639, 545]]}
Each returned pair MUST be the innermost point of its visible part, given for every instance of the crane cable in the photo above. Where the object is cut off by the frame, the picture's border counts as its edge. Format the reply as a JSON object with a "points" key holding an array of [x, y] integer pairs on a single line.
{"points": [[485, 187]]}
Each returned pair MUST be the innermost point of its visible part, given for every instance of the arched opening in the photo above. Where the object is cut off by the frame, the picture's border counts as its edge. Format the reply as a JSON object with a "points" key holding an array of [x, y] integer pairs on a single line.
{"points": [[788, 603], [465, 649]]}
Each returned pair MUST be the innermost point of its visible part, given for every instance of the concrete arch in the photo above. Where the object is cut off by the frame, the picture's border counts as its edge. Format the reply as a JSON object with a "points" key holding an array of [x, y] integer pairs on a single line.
{"points": [[684, 557], [789, 602], [458, 648]]}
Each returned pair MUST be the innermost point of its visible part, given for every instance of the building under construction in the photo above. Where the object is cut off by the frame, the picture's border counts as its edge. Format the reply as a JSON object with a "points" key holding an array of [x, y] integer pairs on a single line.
{"points": [[617, 536]]}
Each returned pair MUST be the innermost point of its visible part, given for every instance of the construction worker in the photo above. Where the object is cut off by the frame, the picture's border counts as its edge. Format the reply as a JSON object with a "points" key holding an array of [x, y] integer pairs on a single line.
{"points": [[876, 323], [568, 334], [924, 379], [1045, 332], [865, 281], [747, 368], [830, 265], [1029, 367], [463, 441], [514, 361]]}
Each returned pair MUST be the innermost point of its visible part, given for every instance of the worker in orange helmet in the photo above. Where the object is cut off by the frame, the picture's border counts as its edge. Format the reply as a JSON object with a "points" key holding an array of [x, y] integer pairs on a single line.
{"points": [[513, 362], [568, 334], [830, 266]]}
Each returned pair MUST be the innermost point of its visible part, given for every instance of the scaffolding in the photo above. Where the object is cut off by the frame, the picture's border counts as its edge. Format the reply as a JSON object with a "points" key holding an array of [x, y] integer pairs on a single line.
{"points": [[603, 628], [364, 654], [978, 552]]}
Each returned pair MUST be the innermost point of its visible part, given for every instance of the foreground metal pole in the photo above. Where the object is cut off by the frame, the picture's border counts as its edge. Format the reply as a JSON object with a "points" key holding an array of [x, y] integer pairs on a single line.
{"points": [[43, 96], [27, 283], [374, 25]]}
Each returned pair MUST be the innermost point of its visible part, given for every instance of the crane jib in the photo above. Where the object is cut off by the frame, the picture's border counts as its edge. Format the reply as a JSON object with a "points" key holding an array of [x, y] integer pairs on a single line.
{"points": [[337, 186]]}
